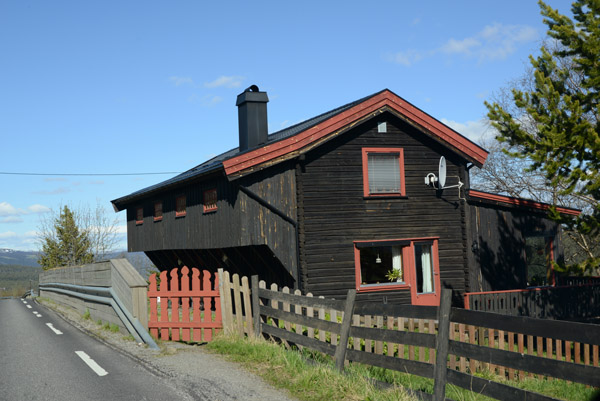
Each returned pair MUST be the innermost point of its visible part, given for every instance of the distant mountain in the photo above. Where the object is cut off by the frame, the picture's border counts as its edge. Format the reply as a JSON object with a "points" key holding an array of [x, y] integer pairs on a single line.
{"points": [[22, 258], [139, 260]]}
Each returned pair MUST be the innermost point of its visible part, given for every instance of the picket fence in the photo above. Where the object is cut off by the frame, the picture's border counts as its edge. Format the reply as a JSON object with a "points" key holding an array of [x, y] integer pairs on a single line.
{"points": [[184, 307]]}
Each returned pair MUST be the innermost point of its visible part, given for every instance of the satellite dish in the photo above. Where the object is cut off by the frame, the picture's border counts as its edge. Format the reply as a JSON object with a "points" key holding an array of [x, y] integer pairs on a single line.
{"points": [[442, 173]]}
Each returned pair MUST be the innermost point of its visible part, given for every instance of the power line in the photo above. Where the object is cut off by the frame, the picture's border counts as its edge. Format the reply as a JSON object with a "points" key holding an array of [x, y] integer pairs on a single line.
{"points": [[86, 174]]}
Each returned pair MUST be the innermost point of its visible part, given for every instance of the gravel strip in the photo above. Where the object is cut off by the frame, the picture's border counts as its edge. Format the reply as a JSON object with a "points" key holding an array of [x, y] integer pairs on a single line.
{"points": [[200, 374]]}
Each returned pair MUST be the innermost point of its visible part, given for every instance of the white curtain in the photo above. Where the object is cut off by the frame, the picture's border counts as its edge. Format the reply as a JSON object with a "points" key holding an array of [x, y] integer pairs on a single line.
{"points": [[427, 268], [397, 261]]}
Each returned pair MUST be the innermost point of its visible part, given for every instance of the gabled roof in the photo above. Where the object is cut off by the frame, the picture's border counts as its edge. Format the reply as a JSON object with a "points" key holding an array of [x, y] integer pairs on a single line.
{"points": [[299, 138]]}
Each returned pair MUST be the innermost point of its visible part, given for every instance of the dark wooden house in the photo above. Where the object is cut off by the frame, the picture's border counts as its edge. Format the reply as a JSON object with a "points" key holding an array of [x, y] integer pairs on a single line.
{"points": [[347, 199]]}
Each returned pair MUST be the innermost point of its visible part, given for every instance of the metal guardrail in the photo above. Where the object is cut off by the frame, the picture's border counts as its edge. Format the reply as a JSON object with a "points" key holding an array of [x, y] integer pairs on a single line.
{"points": [[106, 296]]}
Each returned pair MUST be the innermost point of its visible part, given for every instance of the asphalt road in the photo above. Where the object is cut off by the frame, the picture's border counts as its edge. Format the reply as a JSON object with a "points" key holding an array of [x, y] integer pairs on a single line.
{"points": [[42, 357]]}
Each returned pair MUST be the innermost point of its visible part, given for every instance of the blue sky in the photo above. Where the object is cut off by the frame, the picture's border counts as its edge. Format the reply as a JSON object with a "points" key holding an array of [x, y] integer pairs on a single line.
{"points": [[142, 87]]}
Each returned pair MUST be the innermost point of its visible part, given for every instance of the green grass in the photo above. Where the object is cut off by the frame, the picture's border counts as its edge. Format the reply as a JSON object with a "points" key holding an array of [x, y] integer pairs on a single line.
{"points": [[306, 381], [319, 380], [86, 315]]}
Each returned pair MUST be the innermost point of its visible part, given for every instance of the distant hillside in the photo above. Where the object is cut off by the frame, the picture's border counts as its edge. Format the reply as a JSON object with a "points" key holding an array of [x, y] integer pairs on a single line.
{"points": [[16, 279], [29, 259], [21, 258]]}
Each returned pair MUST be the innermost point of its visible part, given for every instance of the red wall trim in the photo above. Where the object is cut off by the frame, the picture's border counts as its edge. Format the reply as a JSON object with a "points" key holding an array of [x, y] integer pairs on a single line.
{"points": [[365, 166], [386, 98], [521, 202]]}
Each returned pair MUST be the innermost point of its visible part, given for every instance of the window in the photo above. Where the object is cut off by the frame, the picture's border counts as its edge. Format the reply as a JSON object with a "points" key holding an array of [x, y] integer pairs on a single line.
{"points": [[424, 268], [539, 256], [408, 264], [139, 215], [210, 200], [158, 213], [180, 206], [383, 172]]}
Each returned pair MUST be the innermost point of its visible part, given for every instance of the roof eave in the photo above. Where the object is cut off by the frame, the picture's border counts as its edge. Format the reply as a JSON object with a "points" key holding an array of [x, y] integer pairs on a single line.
{"points": [[122, 203]]}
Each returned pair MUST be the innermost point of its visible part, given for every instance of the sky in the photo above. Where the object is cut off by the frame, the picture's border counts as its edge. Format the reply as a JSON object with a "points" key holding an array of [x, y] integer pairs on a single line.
{"points": [[113, 87]]}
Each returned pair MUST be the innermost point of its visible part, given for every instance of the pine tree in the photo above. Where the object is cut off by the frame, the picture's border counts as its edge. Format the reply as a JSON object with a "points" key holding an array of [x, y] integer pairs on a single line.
{"points": [[67, 245], [557, 126]]}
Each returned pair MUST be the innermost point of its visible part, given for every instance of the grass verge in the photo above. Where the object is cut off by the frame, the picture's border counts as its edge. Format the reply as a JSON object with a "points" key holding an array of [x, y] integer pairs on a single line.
{"points": [[311, 376], [304, 380]]}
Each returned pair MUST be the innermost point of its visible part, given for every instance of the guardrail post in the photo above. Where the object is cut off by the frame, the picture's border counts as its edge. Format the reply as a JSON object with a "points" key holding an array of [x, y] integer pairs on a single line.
{"points": [[340, 351], [442, 344], [255, 306]]}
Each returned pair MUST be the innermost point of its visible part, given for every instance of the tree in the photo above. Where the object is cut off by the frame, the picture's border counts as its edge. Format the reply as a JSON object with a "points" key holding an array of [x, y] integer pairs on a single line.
{"points": [[67, 245], [554, 123]]}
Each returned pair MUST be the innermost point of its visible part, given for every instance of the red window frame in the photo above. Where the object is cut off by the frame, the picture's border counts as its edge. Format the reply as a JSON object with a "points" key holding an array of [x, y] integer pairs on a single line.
{"points": [[180, 206], [409, 270], [139, 216], [209, 200], [365, 166], [158, 211]]}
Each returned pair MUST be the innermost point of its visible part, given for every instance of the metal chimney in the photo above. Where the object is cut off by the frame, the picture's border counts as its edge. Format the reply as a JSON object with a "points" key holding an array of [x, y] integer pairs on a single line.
{"points": [[252, 117]]}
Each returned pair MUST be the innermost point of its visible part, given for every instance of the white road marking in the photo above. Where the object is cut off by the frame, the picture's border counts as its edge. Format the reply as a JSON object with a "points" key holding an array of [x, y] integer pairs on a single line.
{"points": [[29, 306], [56, 331], [37, 313], [91, 363], [24, 301]]}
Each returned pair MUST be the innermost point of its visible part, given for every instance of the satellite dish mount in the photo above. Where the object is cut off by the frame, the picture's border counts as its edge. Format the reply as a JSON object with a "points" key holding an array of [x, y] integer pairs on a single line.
{"points": [[439, 181]]}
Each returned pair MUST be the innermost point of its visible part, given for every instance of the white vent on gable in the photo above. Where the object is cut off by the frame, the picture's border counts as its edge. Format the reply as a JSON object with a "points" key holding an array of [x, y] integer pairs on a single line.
{"points": [[382, 126]]}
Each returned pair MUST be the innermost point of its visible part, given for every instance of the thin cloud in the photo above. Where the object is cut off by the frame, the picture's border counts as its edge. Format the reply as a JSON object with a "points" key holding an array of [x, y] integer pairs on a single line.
{"points": [[179, 81], [8, 234], [11, 219], [210, 100], [55, 179], [6, 209], [477, 131], [57, 191], [493, 42], [233, 81], [37, 208]]}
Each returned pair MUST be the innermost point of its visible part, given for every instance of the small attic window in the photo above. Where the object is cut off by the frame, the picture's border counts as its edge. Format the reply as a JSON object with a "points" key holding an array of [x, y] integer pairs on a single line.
{"points": [[158, 211], [180, 206], [139, 215], [210, 200], [382, 126]]}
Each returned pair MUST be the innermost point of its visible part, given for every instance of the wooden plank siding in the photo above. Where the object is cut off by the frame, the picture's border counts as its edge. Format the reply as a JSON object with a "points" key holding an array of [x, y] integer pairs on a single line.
{"points": [[240, 222], [496, 256], [335, 213]]}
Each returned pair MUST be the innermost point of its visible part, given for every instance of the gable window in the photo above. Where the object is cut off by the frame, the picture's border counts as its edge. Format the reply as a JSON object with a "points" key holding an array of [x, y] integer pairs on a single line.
{"points": [[383, 171], [139, 215], [210, 200], [180, 206], [158, 211]]}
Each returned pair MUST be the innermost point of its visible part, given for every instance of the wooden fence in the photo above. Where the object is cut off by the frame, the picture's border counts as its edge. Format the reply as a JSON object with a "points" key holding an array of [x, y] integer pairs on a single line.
{"points": [[184, 308], [572, 302], [235, 304], [441, 343]]}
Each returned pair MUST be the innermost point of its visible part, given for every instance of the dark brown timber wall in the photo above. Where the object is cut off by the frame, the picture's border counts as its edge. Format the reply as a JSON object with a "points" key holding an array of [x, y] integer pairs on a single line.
{"points": [[238, 230], [496, 251], [334, 213]]}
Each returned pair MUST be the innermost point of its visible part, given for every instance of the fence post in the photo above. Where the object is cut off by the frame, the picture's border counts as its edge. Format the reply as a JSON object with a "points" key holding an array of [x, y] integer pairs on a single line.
{"points": [[340, 351], [255, 306], [442, 344]]}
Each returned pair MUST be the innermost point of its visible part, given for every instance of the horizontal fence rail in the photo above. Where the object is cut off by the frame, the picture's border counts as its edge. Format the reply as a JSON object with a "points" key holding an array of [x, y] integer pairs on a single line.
{"points": [[449, 346]]}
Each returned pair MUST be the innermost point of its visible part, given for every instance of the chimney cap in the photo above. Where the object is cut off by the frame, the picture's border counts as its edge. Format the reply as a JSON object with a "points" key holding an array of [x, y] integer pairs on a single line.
{"points": [[252, 94]]}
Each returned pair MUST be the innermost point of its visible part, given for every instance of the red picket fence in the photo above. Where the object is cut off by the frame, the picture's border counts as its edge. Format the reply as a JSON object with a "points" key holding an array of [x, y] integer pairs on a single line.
{"points": [[184, 308]]}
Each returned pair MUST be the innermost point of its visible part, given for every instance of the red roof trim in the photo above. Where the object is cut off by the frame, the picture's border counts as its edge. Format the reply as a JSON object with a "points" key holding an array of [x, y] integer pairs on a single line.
{"points": [[521, 202], [386, 98]]}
